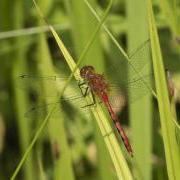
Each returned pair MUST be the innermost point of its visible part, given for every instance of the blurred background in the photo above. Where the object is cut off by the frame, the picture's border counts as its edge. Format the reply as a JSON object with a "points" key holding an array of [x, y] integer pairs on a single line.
{"points": [[71, 145]]}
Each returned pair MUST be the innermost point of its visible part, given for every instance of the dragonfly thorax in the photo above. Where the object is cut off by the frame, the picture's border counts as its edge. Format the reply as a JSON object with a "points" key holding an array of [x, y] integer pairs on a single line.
{"points": [[98, 83], [95, 81]]}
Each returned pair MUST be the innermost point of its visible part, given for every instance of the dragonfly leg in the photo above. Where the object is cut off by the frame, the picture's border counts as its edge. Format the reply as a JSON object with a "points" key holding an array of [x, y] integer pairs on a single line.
{"points": [[85, 93], [81, 87], [94, 100], [80, 83]]}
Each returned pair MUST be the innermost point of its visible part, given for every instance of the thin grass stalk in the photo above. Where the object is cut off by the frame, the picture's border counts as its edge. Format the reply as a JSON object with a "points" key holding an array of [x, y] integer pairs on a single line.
{"points": [[83, 28], [57, 134], [34, 140], [21, 102], [140, 111], [91, 8], [63, 162], [42, 175], [170, 11], [171, 145], [63, 168], [31, 31]]}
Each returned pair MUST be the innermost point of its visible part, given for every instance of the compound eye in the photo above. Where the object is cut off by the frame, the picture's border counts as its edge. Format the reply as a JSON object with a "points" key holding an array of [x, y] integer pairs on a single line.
{"points": [[82, 72], [91, 68]]}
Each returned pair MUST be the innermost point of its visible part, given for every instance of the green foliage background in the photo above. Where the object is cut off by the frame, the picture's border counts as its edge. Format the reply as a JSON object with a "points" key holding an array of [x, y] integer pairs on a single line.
{"points": [[63, 142]]}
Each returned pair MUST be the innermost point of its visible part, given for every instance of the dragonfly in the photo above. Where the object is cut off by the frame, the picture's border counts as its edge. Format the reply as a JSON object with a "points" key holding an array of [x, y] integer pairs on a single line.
{"points": [[101, 87], [98, 85]]}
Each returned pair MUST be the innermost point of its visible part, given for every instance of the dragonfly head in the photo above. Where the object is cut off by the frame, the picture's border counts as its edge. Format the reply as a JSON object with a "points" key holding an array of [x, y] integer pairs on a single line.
{"points": [[86, 70]]}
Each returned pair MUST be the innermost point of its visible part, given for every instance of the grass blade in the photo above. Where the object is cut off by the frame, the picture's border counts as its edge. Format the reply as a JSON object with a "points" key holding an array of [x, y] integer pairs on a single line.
{"points": [[140, 111], [170, 10], [20, 99], [168, 127]]}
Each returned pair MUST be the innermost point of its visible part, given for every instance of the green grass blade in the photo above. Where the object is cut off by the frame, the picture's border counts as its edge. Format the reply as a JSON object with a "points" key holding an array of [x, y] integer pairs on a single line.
{"points": [[168, 127], [34, 140], [170, 10], [112, 144], [140, 112], [59, 142], [21, 98], [106, 29], [57, 134]]}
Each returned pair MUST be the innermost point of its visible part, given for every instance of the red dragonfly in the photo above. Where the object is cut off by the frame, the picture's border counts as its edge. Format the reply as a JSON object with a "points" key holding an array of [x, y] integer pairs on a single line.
{"points": [[98, 85]]}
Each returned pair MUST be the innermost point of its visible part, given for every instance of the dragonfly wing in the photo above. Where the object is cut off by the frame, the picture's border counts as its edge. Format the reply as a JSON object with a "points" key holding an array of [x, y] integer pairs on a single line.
{"points": [[140, 59], [137, 63], [34, 84], [68, 104], [138, 87], [132, 74], [29, 82]]}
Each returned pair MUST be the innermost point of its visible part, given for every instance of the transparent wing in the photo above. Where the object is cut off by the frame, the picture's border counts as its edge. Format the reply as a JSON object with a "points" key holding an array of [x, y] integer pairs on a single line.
{"points": [[42, 102], [137, 63], [121, 91], [30, 82], [139, 81], [133, 75], [67, 104]]}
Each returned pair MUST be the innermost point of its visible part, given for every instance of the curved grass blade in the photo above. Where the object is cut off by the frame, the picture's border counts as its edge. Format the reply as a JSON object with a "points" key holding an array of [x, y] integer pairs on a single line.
{"points": [[168, 127]]}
